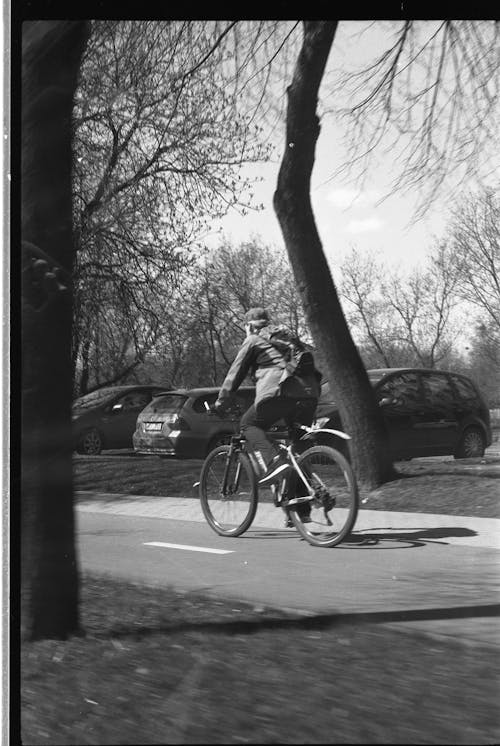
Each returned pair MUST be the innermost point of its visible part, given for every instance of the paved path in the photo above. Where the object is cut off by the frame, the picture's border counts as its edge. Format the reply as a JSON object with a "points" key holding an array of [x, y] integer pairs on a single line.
{"points": [[441, 577], [457, 530]]}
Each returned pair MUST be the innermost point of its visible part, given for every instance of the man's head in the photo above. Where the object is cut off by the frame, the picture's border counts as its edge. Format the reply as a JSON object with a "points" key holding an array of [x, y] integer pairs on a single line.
{"points": [[256, 319]]}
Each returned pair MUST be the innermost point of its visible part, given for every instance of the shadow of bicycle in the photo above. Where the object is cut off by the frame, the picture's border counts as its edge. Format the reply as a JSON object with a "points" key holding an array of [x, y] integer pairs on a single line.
{"points": [[414, 537], [381, 538]]}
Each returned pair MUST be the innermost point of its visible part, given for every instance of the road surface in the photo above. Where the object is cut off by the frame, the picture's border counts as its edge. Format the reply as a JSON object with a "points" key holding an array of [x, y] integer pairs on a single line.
{"points": [[436, 573]]}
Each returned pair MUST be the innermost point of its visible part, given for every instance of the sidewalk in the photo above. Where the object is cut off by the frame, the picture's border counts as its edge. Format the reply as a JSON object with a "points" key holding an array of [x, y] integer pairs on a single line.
{"points": [[449, 529]]}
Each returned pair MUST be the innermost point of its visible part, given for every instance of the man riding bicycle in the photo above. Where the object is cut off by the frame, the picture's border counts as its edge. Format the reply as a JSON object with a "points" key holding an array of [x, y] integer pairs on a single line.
{"points": [[291, 398]]}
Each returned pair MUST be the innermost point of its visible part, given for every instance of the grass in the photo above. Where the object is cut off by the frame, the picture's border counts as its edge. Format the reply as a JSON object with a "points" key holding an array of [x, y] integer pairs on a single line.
{"points": [[158, 666], [426, 486]]}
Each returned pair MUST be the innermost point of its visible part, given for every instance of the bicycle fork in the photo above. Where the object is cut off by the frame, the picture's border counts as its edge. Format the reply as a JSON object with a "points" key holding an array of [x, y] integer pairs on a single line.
{"points": [[225, 489]]}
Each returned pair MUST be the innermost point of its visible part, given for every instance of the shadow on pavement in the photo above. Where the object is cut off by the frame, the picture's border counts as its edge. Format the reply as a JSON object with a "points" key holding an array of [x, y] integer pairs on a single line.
{"points": [[394, 538], [416, 537], [316, 622]]}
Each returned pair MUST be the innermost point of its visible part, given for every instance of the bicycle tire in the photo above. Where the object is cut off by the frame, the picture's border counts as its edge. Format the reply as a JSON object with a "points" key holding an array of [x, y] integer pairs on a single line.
{"points": [[231, 514], [329, 524]]}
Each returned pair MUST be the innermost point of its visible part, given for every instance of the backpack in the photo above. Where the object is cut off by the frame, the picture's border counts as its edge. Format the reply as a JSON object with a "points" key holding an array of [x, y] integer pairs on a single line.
{"points": [[300, 376]]}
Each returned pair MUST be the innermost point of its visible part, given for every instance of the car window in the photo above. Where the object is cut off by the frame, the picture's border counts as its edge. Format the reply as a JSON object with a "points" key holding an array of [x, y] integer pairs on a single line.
{"points": [[94, 398], [239, 402], [466, 391], [134, 400], [199, 402], [403, 390], [438, 393], [168, 403]]}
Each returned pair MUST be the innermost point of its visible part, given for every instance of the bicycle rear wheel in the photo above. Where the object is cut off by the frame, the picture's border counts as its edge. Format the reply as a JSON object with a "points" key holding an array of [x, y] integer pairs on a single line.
{"points": [[228, 491], [327, 518]]}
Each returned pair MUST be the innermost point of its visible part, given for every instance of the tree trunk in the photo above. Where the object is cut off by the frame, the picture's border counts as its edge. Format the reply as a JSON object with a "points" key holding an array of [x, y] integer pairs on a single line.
{"points": [[51, 53], [346, 373]]}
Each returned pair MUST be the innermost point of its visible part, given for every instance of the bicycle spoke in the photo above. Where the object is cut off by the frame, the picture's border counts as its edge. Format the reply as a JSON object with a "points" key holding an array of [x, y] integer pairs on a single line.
{"points": [[330, 515], [228, 492]]}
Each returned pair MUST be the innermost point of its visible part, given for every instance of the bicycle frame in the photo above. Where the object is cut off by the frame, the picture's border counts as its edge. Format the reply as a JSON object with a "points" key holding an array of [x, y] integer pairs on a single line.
{"points": [[238, 442], [310, 431]]}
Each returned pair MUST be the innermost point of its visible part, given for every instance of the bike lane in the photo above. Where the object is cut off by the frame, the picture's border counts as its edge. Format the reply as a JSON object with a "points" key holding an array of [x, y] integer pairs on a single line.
{"points": [[435, 573]]}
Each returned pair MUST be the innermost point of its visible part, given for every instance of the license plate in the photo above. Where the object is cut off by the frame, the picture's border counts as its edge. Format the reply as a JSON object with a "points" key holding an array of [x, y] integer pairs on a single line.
{"points": [[153, 426]]}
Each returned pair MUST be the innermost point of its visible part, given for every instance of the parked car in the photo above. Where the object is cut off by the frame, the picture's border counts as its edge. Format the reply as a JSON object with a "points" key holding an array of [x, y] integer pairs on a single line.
{"points": [[177, 423], [427, 412], [106, 418]]}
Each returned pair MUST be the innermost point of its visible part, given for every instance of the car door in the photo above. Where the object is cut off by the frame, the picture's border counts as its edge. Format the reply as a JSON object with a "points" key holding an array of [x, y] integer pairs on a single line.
{"points": [[119, 425], [438, 417], [399, 397]]}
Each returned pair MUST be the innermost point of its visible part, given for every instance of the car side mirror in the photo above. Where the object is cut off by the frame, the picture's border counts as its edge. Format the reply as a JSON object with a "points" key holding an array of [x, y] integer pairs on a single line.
{"points": [[386, 401]]}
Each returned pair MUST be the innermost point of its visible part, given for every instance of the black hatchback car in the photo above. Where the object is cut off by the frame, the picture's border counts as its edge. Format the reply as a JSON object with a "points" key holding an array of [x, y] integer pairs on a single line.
{"points": [[177, 423], [106, 418], [427, 412]]}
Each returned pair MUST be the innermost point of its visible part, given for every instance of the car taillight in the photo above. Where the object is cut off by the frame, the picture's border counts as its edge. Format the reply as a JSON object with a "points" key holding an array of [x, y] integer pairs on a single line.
{"points": [[172, 419]]}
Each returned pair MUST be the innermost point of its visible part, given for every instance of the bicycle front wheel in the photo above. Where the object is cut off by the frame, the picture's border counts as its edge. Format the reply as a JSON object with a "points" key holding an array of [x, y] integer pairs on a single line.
{"points": [[329, 515], [228, 491]]}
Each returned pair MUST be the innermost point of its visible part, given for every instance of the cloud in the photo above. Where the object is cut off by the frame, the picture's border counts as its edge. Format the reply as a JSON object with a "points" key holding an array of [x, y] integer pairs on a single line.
{"points": [[345, 198], [369, 225]]}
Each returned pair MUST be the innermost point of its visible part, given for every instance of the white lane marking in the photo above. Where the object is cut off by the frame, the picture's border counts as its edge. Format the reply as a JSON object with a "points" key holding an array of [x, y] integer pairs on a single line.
{"points": [[187, 547]]}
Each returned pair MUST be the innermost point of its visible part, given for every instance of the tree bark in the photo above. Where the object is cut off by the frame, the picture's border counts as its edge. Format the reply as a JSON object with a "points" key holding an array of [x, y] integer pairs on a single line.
{"points": [[51, 53], [347, 376]]}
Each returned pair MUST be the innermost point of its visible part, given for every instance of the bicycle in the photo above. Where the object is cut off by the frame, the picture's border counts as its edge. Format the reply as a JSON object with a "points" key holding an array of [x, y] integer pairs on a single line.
{"points": [[324, 515]]}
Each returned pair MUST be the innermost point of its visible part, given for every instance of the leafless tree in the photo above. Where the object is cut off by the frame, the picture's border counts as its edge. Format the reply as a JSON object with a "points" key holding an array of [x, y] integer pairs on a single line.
{"points": [[321, 303], [160, 141], [51, 52], [428, 101], [473, 248], [203, 327]]}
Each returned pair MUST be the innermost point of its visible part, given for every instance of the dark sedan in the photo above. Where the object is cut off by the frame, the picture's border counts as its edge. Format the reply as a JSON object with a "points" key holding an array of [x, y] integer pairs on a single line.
{"points": [[106, 418]]}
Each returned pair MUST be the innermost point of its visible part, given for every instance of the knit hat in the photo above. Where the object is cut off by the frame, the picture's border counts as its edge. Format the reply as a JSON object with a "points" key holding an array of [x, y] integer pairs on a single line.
{"points": [[257, 317]]}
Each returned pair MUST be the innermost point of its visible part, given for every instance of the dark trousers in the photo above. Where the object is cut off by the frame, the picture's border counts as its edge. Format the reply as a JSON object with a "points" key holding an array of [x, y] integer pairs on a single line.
{"points": [[261, 416]]}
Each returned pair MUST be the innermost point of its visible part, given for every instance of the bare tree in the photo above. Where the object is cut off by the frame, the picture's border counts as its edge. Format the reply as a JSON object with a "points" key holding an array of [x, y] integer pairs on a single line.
{"points": [[203, 326], [51, 52], [159, 145], [366, 308], [474, 251], [428, 101], [322, 306]]}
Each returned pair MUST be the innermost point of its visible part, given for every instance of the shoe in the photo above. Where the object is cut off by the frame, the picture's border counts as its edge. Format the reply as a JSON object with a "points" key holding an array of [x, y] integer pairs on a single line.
{"points": [[288, 523], [275, 470]]}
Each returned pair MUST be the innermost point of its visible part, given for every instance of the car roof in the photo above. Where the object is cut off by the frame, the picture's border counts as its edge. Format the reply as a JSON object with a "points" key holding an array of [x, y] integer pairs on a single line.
{"points": [[386, 371], [200, 391], [377, 374]]}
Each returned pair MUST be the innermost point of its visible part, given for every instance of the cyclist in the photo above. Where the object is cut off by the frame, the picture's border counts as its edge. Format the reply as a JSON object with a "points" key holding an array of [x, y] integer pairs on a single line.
{"points": [[294, 400]]}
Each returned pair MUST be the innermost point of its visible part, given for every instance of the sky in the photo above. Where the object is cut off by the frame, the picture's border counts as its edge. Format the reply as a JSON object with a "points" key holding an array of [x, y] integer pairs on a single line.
{"points": [[346, 214]]}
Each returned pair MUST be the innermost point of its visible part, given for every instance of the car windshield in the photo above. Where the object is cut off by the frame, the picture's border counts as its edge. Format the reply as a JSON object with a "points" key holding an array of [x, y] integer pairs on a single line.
{"points": [[169, 403], [96, 397]]}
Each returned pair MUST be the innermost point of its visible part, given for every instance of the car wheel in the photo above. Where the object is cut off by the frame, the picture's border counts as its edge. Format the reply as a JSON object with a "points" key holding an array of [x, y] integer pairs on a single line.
{"points": [[90, 443], [471, 445]]}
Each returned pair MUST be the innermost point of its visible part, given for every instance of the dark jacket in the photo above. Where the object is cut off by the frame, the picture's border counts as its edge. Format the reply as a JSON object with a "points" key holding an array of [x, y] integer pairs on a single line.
{"points": [[266, 364]]}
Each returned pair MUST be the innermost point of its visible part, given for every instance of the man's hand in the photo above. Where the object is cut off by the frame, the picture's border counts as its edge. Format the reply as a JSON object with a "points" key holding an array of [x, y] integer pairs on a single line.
{"points": [[217, 407]]}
